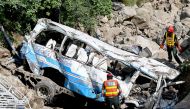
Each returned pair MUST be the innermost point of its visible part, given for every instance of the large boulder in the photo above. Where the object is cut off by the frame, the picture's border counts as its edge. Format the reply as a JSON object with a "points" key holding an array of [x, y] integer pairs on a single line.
{"points": [[104, 19], [109, 33], [163, 18], [117, 6], [185, 13], [128, 12], [149, 8], [128, 31], [179, 28], [186, 22], [141, 20], [112, 23], [4, 52], [144, 42], [119, 40]]}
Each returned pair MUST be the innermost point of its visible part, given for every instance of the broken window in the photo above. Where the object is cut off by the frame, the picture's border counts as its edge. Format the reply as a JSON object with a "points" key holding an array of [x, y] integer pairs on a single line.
{"points": [[84, 53], [120, 70], [50, 39]]}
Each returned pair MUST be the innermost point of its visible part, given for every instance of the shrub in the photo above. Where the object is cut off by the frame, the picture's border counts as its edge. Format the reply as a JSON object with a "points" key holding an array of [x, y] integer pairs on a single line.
{"points": [[129, 2], [133, 2]]}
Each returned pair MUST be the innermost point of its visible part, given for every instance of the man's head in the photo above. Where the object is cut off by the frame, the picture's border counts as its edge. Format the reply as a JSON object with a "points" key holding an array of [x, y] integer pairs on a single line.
{"points": [[170, 29], [109, 76]]}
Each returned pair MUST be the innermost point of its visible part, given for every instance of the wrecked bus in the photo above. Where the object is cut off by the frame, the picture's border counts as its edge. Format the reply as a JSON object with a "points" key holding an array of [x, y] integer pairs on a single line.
{"points": [[79, 62]]}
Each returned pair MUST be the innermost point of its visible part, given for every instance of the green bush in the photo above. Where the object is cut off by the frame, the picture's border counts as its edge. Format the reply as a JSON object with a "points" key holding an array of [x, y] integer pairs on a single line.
{"points": [[21, 15], [85, 12], [129, 2], [133, 2]]}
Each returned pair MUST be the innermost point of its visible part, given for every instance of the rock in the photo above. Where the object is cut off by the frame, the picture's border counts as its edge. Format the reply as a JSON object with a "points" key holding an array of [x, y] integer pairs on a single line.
{"points": [[112, 23], [186, 22], [128, 12], [126, 23], [104, 19], [118, 40], [163, 17], [30, 94], [174, 10], [123, 106], [178, 3], [136, 49], [127, 31], [45, 107], [144, 42], [117, 6], [98, 33], [149, 8], [110, 32], [145, 52], [37, 103], [119, 19], [179, 29], [4, 52], [4, 72], [81, 27], [140, 22], [130, 40], [185, 13]]}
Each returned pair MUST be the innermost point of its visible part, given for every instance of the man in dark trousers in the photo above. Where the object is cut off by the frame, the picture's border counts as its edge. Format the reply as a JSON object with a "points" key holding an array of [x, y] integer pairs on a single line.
{"points": [[172, 44], [111, 91]]}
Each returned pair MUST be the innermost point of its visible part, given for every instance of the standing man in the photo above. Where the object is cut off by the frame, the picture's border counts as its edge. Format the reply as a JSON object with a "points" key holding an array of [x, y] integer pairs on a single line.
{"points": [[171, 42], [111, 91]]}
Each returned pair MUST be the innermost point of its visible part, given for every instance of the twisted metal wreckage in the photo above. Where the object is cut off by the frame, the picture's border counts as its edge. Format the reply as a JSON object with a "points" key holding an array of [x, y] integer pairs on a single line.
{"points": [[141, 87]]}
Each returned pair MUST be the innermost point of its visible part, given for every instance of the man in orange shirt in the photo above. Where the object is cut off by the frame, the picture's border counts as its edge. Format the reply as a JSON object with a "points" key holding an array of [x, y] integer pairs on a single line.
{"points": [[111, 91]]}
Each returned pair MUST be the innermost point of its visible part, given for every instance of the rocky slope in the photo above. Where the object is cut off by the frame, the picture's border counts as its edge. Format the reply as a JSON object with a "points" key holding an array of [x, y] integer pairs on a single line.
{"points": [[35, 102], [144, 25]]}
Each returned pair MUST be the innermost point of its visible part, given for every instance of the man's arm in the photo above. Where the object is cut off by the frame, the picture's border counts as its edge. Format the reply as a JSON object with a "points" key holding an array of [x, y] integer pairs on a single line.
{"points": [[164, 39]]}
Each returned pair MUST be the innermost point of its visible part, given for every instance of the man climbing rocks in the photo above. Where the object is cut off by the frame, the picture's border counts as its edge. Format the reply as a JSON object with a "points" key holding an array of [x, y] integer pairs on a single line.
{"points": [[171, 42], [111, 91]]}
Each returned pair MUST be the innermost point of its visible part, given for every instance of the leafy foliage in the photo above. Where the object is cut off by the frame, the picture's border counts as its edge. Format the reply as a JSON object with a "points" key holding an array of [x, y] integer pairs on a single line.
{"points": [[85, 11], [133, 2], [129, 2], [21, 15]]}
